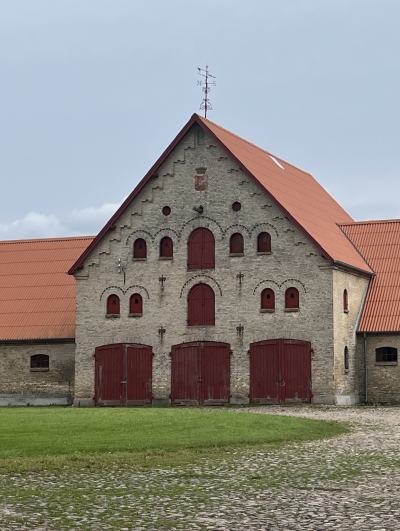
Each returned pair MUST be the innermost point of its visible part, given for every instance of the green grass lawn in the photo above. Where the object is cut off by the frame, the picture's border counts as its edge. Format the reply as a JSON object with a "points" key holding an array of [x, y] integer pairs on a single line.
{"points": [[51, 437]]}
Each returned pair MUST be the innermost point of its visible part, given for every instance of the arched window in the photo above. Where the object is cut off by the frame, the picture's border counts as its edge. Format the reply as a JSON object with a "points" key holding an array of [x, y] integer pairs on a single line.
{"points": [[345, 302], [236, 244], [267, 299], [386, 354], [136, 304], [166, 248], [201, 249], [346, 359], [201, 305], [292, 298], [264, 243], [113, 305], [139, 248], [39, 361]]}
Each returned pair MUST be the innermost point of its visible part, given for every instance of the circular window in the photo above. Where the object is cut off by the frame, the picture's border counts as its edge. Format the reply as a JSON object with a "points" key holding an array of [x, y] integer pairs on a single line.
{"points": [[166, 211], [236, 206]]}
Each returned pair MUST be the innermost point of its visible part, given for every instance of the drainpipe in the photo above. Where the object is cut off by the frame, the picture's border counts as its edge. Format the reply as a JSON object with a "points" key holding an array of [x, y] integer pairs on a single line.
{"points": [[366, 366]]}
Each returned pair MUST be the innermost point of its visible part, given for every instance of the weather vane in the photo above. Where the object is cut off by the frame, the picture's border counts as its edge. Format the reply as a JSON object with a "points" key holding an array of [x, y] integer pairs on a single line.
{"points": [[205, 104]]}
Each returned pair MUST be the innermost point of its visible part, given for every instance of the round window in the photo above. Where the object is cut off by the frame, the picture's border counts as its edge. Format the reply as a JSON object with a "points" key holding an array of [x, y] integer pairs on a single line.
{"points": [[236, 206], [166, 211]]}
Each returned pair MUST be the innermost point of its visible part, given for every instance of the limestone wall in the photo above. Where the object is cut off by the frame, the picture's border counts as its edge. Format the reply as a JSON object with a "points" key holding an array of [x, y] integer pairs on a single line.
{"points": [[293, 262], [21, 385]]}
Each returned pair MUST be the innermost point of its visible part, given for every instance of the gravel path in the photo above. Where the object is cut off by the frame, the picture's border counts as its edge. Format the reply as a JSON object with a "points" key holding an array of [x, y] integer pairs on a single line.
{"points": [[350, 482]]}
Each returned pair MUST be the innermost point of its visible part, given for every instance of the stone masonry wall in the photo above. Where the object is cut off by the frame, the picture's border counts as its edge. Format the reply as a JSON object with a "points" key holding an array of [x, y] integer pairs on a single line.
{"points": [[383, 377], [19, 384], [345, 327], [293, 262]]}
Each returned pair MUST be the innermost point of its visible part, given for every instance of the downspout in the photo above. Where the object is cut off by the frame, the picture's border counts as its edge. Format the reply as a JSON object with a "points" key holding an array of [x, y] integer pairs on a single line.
{"points": [[366, 366]]}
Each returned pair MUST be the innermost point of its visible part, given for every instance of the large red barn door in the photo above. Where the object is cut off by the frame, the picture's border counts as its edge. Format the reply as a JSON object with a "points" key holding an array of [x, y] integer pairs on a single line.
{"points": [[280, 371], [215, 373], [264, 372], [139, 359], [109, 375], [123, 374], [200, 373], [185, 374]]}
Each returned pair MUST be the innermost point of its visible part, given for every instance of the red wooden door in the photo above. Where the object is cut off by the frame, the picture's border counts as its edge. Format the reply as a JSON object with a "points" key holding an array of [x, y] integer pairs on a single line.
{"points": [[215, 373], [123, 375], [295, 367], [185, 374], [109, 375], [200, 373], [139, 359], [280, 371], [201, 305], [264, 372], [201, 249]]}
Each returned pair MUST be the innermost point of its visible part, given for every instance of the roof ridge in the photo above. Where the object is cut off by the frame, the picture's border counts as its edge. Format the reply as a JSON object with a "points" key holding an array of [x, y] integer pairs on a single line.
{"points": [[255, 145], [37, 240], [371, 221]]}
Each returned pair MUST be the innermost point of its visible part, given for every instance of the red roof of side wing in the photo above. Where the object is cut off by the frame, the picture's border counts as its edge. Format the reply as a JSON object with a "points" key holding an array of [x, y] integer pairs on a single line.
{"points": [[37, 298], [301, 198], [379, 243]]}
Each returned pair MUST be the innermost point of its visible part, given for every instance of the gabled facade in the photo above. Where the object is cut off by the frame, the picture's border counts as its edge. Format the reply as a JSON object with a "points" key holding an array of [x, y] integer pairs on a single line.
{"points": [[220, 279]]}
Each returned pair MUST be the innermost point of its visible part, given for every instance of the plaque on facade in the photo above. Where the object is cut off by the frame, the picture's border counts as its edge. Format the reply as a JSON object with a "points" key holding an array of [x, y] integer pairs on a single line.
{"points": [[201, 179]]}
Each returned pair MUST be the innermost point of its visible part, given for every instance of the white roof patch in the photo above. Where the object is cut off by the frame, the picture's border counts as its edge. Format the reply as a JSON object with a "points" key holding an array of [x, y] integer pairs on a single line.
{"points": [[276, 162]]}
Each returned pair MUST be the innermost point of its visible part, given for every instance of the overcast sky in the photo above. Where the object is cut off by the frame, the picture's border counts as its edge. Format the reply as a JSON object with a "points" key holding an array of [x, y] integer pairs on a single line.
{"points": [[92, 92]]}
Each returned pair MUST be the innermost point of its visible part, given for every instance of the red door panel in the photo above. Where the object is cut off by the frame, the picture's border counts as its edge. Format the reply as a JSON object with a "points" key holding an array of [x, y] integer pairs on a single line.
{"points": [[139, 359], [185, 374], [296, 371], [215, 373], [264, 372], [201, 249], [109, 373], [280, 371]]}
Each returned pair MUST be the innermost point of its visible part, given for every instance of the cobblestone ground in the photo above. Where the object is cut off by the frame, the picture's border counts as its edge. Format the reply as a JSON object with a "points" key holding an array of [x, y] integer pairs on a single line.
{"points": [[350, 482]]}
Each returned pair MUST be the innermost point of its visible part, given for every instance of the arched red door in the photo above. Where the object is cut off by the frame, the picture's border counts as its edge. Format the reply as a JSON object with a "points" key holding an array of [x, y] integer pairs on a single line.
{"points": [[201, 249], [201, 305]]}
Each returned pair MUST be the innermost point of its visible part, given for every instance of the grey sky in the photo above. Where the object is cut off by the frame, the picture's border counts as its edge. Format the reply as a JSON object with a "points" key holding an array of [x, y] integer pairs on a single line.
{"points": [[92, 92]]}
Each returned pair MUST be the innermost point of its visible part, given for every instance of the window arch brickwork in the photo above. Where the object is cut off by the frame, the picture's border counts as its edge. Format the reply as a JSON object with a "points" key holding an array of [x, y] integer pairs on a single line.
{"points": [[201, 305], [201, 249]]}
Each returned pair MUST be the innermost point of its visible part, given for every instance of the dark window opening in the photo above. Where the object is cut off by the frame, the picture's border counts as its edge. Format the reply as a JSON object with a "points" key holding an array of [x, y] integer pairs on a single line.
{"points": [[136, 304], [39, 361], [201, 249], [166, 211], [236, 206], [267, 299], [113, 305], [166, 247], [264, 243], [201, 305], [292, 298], [386, 354], [139, 248], [346, 359], [236, 245], [345, 301]]}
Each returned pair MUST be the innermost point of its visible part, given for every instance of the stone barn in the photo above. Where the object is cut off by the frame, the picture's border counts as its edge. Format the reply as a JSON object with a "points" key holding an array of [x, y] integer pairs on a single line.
{"points": [[227, 276], [37, 324]]}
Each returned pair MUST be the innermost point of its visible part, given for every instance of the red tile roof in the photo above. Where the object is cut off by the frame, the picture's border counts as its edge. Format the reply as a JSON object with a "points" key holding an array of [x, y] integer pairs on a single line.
{"points": [[299, 196], [37, 297], [379, 243]]}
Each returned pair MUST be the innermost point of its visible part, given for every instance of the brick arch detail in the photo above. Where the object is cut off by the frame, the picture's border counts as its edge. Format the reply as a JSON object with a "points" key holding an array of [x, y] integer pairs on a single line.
{"points": [[199, 279]]}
